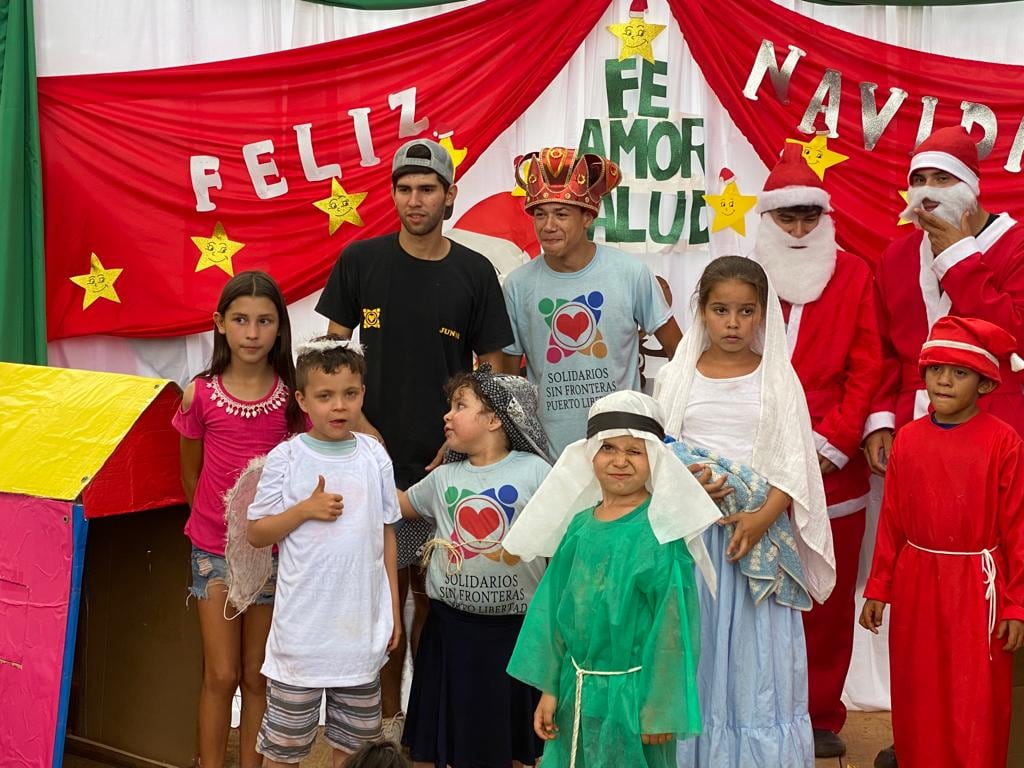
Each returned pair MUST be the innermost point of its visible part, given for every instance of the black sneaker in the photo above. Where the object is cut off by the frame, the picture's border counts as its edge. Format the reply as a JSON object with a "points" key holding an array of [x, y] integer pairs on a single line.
{"points": [[828, 744], [886, 758]]}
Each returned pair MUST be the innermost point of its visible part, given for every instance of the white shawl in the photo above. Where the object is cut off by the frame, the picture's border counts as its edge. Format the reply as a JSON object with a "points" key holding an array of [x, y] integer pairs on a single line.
{"points": [[784, 450]]}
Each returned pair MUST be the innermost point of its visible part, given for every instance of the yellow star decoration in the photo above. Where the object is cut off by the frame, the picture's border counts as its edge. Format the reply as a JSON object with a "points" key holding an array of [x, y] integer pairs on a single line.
{"points": [[217, 250], [818, 156], [636, 36], [904, 194], [457, 155], [341, 206], [99, 283], [730, 208]]}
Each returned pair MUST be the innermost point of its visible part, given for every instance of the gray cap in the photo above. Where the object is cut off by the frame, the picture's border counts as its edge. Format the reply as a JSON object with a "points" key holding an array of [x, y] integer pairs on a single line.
{"points": [[434, 158]]}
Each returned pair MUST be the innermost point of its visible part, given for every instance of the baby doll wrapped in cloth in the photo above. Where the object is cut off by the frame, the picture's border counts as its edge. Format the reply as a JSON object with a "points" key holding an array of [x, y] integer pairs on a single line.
{"points": [[772, 566]]}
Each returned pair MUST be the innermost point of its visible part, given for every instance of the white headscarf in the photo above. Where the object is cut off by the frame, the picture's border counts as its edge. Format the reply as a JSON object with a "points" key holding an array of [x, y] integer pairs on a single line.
{"points": [[784, 450], [679, 508]]}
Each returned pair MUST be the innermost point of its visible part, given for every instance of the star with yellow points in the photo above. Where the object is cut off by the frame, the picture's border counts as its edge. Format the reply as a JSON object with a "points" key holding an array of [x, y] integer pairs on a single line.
{"points": [[446, 141], [730, 208], [98, 283], [341, 206], [818, 156], [636, 36], [905, 195], [217, 250]]}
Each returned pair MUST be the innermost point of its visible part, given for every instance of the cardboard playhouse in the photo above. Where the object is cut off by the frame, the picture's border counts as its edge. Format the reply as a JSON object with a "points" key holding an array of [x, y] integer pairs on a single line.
{"points": [[96, 642]]}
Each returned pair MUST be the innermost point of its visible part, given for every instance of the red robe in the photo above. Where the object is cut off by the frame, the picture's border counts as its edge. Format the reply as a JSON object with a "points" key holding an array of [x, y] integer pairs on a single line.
{"points": [[980, 277], [952, 490], [836, 353]]}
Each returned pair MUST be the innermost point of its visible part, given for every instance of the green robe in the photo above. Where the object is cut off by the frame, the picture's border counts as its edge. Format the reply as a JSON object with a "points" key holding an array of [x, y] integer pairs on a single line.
{"points": [[613, 598]]}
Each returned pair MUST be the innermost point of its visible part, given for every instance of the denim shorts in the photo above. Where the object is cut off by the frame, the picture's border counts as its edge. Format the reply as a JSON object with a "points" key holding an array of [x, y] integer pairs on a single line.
{"points": [[208, 568]]}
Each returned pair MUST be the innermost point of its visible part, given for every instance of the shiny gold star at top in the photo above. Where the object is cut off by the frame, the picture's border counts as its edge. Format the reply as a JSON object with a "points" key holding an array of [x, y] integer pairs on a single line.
{"points": [[98, 283], [818, 156], [341, 206], [905, 195], [730, 208], [636, 36], [217, 250]]}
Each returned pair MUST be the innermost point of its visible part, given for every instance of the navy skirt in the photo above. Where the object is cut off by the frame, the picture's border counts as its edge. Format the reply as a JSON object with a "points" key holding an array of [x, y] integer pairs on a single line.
{"points": [[465, 711]]}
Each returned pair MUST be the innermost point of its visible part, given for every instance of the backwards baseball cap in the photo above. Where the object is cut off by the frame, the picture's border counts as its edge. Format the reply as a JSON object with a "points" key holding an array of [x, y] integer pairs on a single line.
{"points": [[422, 155]]}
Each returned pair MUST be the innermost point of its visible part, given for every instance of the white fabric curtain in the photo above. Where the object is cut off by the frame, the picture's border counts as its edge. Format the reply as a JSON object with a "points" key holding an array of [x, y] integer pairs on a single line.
{"points": [[89, 36]]}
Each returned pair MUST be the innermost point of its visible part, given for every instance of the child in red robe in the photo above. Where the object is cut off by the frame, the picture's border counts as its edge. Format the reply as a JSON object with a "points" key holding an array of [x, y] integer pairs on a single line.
{"points": [[949, 557]]}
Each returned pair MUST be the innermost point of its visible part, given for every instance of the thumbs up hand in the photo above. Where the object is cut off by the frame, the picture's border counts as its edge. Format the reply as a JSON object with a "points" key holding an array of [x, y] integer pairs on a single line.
{"points": [[322, 505]]}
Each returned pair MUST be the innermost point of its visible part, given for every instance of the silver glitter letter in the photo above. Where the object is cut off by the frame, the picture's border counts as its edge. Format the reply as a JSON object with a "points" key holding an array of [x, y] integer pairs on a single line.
{"points": [[831, 85], [873, 121], [766, 63], [1013, 161], [979, 114], [924, 128]]}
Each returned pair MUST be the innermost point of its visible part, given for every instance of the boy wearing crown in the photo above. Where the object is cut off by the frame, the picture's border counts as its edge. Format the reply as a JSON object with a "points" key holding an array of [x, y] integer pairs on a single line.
{"points": [[949, 557], [575, 310]]}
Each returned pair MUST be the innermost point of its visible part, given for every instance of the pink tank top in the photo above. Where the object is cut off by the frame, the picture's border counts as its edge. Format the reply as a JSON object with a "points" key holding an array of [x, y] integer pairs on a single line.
{"points": [[233, 432]]}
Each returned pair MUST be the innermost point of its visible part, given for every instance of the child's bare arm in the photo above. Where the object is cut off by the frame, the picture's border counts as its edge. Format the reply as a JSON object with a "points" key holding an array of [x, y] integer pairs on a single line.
{"points": [[191, 451], [872, 614], [405, 506], [319, 506], [1013, 631], [544, 717], [391, 566]]}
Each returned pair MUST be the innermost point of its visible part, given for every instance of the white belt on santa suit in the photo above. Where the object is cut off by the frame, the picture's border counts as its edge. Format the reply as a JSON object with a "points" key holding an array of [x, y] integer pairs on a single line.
{"points": [[988, 573], [577, 707]]}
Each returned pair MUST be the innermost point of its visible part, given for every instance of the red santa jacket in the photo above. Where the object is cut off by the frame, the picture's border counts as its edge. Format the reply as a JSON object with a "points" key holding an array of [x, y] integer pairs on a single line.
{"points": [[835, 350], [980, 277]]}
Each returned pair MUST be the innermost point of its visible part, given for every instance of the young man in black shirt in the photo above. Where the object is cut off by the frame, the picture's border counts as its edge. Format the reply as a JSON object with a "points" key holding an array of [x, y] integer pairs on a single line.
{"points": [[424, 304]]}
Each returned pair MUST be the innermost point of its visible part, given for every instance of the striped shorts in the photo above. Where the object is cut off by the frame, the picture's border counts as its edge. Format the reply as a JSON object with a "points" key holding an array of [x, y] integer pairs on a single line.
{"points": [[289, 725]]}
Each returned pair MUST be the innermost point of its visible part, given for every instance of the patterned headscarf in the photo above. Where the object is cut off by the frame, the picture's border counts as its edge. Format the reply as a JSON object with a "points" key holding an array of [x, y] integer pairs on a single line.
{"points": [[514, 400]]}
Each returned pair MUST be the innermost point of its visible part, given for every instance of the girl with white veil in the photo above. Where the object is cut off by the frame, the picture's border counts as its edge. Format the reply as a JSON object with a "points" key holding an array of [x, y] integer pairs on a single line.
{"points": [[731, 389]]}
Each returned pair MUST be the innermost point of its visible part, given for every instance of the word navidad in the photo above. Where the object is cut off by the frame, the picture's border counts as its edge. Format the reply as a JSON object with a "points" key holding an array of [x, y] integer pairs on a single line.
{"points": [[874, 121], [259, 161], [660, 151]]}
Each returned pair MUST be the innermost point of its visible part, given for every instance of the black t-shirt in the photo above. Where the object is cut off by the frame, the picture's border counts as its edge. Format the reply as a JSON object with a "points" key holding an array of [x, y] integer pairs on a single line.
{"points": [[420, 323]]}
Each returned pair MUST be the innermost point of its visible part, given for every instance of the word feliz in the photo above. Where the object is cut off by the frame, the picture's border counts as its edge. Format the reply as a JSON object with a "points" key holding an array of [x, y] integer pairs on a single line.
{"points": [[873, 120], [259, 161]]}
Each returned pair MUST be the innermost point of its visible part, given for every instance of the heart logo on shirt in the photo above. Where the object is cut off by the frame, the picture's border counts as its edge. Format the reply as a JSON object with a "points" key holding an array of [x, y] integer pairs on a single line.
{"points": [[572, 326], [478, 522]]}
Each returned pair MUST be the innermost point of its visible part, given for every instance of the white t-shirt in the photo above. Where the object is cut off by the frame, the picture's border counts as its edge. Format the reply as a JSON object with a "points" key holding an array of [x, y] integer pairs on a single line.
{"points": [[722, 415], [473, 508], [332, 610]]}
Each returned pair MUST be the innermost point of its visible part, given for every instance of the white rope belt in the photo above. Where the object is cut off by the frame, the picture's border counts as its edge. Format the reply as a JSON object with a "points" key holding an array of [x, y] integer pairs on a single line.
{"points": [[988, 573], [578, 709]]}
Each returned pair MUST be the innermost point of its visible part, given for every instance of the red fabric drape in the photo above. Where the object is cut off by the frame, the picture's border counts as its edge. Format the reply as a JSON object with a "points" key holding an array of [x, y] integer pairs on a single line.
{"points": [[116, 152], [864, 188]]}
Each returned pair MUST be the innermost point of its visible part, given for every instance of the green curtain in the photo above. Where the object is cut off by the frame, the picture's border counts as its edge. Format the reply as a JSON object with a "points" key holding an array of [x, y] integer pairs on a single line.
{"points": [[381, 5], [22, 289]]}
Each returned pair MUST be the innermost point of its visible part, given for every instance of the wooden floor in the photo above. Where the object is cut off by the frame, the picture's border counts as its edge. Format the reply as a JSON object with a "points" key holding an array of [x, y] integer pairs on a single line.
{"points": [[865, 734]]}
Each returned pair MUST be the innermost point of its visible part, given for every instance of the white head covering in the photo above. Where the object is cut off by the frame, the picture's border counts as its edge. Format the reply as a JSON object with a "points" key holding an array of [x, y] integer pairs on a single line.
{"points": [[680, 508], [784, 450]]}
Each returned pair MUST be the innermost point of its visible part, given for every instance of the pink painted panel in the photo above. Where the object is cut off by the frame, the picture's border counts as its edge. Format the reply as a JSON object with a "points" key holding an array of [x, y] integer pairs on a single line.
{"points": [[35, 577]]}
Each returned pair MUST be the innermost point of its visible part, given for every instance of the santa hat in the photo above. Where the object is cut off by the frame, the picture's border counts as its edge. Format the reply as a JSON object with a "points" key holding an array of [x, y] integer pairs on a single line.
{"points": [[970, 343], [792, 183], [556, 175], [949, 149]]}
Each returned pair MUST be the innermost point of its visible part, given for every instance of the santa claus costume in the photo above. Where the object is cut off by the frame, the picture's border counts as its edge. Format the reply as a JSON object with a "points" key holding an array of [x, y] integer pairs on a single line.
{"points": [[980, 276], [949, 558], [827, 299]]}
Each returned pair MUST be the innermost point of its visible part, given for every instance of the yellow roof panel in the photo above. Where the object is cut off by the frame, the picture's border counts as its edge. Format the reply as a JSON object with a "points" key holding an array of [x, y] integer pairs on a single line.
{"points": [[58, 426]]}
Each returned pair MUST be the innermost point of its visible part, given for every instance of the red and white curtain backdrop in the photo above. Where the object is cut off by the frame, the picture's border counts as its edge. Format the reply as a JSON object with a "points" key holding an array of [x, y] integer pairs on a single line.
{"points": [[118, 148]]}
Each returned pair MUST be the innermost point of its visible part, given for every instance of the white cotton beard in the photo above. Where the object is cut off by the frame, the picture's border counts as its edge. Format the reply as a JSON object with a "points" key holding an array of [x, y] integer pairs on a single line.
{"points": [[799, 267], [953, 202]]}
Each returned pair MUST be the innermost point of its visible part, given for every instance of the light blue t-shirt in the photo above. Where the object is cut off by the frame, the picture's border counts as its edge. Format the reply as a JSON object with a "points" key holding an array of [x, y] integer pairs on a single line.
{"points": [[473, 508], [579, 332]]}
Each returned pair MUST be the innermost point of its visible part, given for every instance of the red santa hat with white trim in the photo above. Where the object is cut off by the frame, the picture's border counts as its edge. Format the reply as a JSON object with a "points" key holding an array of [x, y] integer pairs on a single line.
{"points": [[952, 150], [791, 183], [970, 343]]}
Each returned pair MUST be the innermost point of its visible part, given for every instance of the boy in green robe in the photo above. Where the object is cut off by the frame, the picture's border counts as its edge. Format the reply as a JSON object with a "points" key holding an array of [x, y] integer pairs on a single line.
{"points": [[612, 635]]}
